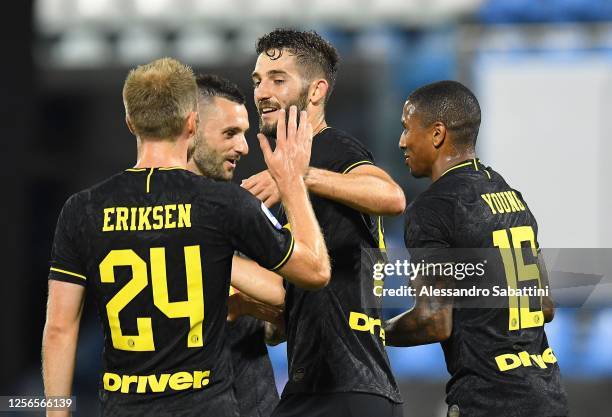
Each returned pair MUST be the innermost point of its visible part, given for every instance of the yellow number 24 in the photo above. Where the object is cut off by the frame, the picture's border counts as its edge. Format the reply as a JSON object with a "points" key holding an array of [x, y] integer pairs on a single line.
{"points": [[193, 307]]}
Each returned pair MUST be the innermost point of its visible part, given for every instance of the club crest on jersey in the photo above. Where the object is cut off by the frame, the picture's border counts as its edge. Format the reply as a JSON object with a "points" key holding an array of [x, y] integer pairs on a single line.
{"points": [[270, 216]]}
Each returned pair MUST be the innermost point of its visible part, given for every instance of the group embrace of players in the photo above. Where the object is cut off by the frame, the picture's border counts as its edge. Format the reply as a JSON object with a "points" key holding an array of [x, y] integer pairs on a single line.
{"points": [[171, 247]]}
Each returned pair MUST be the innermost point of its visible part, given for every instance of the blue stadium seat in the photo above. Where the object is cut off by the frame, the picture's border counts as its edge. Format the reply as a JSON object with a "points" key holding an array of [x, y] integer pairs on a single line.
{"points": [[425, 361], [278, 357], [561, 334], [597, 354]]}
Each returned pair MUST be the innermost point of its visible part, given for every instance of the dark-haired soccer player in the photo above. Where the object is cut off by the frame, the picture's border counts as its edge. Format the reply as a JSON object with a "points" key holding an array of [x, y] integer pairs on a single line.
{"points": [[219, 144], [498, 357], [337, 362], [154, 246]]}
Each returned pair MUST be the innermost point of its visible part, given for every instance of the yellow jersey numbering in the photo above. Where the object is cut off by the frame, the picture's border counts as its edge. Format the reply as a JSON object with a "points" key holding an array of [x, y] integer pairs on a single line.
{"points": [[126, 219], [141, 384]]}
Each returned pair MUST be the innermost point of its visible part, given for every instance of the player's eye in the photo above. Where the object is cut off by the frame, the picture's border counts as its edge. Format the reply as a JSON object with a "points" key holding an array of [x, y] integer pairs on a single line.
{"points": [[279, 82], [256, 84]]}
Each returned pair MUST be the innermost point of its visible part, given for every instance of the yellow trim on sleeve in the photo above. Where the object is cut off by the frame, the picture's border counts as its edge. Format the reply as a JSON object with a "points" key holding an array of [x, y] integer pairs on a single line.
{"points": [[289, 252], [74, 274], [487, 172], [356, 164], [136, 169], [149, 179]]}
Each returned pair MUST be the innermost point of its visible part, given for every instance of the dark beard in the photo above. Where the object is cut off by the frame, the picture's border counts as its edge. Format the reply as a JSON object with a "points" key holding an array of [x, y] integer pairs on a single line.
{"points": [[301, 103], [208, 162]]}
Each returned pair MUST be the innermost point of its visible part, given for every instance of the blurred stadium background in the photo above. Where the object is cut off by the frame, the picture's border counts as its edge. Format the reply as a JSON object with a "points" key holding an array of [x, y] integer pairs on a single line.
{"points": [[542, 70]]}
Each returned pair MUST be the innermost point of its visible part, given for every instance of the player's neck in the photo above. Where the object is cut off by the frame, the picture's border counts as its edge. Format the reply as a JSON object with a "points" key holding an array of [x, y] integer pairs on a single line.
{"points": [[162, 153], [444, 162], [318, 123]]}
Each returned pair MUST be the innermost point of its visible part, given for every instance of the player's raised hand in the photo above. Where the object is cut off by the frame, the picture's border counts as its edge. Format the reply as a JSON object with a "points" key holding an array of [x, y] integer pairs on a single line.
{"points": [[262, 186], [291, 157]]}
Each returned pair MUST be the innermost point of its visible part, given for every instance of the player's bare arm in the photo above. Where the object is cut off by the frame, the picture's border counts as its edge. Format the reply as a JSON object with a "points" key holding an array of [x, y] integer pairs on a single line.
{"points": [[240, 304], [365, 188], [287, 165], [60, 336], [429, 321], [275, 333], [257, 282]]}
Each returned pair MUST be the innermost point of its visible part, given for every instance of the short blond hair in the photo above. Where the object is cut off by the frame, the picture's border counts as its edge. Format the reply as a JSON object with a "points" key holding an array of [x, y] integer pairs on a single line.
{"points": [[158, 97]]}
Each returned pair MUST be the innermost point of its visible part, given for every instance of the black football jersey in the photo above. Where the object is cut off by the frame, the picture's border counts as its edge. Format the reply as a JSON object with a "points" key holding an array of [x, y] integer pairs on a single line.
{"points": [[335, 341], [497, 355], [254, 384], [154, 246]]}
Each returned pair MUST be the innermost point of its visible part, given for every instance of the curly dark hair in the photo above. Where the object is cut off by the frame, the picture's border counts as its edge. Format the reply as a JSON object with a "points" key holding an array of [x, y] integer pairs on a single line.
{"points": [[316, 56], [210, 85], [451, 103]]}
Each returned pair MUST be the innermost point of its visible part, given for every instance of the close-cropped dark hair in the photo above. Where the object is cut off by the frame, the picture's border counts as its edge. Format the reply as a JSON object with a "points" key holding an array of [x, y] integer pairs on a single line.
{"points": [[451, 103], [314, 54], [210, 85]]}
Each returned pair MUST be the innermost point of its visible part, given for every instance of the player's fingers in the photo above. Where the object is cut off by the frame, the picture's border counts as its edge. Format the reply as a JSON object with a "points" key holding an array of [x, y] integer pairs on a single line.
{"points": [[270, 201], [292, 127], [263, 194], [281, 128], [305, 129], [247, 183], [265, 146]]}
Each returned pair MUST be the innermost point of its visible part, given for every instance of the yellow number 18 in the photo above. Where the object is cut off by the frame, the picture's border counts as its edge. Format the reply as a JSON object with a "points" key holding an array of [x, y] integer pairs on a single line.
{"points": [[192, 308]]}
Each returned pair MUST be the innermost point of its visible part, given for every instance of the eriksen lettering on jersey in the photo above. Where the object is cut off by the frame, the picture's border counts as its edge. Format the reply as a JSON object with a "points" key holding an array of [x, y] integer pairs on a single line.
{"points": [[129, 219]]}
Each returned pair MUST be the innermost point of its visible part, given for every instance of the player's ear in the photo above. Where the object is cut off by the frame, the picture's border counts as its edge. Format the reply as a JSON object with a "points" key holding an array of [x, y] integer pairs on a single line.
{"points": [[318, 91], [438, 134], [192, 123], [128, 122]]}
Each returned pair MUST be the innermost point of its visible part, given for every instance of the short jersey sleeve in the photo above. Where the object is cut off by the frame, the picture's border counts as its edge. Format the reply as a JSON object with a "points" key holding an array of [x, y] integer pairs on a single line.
{"points": [[254, 231], [66, 262], [428, 231]]}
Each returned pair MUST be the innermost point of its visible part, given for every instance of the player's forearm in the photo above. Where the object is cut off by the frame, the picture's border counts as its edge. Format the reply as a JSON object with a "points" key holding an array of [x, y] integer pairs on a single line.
{"points": [[363, 192], [415, 327], [257, 282], [314, 271], [265, 312], [58, 359], [275, 333]]}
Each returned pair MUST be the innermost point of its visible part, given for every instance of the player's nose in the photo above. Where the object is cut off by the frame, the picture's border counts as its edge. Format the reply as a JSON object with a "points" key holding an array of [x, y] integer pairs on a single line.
{"points": [[402, 142], [242, 146], [261, 93]]}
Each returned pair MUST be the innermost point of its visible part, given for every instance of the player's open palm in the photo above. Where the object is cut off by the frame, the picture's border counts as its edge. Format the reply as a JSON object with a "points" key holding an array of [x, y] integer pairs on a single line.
{"points": [[291, 155]]}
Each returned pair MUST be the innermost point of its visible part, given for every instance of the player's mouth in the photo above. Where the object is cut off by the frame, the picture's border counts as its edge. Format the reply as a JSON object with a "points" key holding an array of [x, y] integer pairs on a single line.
{"points": [[406, 158], [230, 163], [269, 112]]}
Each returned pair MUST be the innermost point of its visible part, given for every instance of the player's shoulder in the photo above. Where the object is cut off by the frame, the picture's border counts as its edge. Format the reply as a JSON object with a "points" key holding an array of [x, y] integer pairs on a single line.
{"points": [[340, 139], [87, 195], [434, 201], [338, 150]]}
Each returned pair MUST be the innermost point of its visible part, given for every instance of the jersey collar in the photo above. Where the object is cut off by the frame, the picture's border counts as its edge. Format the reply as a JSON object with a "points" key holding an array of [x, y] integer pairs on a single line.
{"points": [[472, 163]]}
